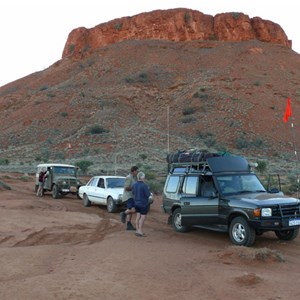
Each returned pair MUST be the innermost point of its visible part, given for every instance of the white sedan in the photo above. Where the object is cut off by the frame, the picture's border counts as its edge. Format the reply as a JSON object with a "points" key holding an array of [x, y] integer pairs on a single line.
{"points": [[103, 190]]}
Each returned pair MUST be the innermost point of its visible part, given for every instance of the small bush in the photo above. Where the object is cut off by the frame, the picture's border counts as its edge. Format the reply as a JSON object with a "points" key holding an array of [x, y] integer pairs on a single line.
{"points": [[261, 166], [241, 143], [43, 88], [187, 17], [235, 15], [4, 161], [188, 119], [83, 165], [97, 129], [118, 26], [51, 95], [64, 114], [71, 48], [188, 111]]}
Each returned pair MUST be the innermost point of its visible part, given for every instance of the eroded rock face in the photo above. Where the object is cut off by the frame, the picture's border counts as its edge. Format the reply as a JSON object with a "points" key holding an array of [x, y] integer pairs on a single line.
{"points": [[175, 25]]}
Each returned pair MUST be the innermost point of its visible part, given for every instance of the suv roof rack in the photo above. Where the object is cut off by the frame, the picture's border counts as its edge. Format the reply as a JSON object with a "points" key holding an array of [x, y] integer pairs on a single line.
{"points": [[189, 167]]}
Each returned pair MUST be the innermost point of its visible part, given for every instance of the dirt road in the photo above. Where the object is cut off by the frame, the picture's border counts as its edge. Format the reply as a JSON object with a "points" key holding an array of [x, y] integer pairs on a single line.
{"points": [[58, 249]]}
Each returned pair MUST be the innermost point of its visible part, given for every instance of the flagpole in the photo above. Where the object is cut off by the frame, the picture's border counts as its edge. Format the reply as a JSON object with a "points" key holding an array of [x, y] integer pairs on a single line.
{"points": [[296, 154], [287, 115]]}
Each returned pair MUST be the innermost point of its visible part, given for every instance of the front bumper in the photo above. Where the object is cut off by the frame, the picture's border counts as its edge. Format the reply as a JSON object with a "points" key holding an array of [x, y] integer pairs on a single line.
{"points": [[274, 224]]}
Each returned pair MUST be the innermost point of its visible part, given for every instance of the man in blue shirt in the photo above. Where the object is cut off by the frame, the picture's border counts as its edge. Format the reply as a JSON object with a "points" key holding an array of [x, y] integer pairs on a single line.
{"points": [[141, 195]]}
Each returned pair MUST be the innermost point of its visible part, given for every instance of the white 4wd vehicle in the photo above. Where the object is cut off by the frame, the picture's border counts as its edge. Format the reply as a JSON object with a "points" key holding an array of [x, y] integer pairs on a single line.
{"points": [[61, 180]]}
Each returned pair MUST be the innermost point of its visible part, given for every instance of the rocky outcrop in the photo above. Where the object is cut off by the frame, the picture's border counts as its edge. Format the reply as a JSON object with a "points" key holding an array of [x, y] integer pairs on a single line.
{"points": [[175, 25]]}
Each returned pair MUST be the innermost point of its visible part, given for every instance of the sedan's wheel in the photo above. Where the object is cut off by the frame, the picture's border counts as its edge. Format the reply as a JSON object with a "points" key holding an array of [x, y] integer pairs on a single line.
{"points": [[176, 221], [86, 200], [287, 235], [111, 205], [55, 192], [241, 233]]}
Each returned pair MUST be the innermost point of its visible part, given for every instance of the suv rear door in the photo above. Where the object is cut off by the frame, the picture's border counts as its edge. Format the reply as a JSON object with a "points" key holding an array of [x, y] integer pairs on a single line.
{"points": [[200, 204]]}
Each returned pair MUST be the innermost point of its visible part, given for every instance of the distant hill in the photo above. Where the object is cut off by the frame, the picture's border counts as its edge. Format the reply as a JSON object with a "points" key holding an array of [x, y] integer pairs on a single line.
{"points": [[111, 103]]}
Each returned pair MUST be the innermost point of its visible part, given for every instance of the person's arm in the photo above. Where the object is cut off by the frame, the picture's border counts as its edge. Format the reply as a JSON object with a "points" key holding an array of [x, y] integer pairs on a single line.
{"points": [[127, 185]]}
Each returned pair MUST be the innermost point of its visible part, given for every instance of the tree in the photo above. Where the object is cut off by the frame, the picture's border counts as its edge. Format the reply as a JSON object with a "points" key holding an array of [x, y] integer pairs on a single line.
{"points": [[83, 165]]}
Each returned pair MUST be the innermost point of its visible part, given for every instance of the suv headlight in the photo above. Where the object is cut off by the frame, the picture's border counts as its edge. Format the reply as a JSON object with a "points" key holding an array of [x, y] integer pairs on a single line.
{"points": [[120, 197], [266, 212]]}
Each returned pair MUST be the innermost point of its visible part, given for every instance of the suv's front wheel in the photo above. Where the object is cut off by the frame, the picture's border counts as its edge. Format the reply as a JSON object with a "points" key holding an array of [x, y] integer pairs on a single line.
{"points": [[55, 191], [241, 233], [176, 221]]}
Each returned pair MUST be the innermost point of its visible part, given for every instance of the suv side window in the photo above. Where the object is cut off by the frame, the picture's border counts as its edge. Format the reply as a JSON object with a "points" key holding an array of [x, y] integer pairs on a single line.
{"points": [[173, 183], [190, 185]]}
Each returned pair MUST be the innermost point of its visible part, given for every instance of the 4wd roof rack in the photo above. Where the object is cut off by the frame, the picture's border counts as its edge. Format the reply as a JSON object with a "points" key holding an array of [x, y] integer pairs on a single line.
{"points": [[189, 167]]}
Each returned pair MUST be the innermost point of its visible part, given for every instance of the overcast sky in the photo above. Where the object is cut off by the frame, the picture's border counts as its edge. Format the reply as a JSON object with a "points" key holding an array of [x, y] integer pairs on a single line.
{"points": [[34, 32]]}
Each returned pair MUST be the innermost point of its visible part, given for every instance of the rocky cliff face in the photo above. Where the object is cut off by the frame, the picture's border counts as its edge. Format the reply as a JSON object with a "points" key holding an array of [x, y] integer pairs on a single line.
{"points": [[174, 25]]}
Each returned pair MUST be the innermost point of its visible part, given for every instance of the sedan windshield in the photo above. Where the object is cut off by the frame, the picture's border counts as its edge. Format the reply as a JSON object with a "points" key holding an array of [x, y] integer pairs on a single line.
{"points": [[237, 184]]}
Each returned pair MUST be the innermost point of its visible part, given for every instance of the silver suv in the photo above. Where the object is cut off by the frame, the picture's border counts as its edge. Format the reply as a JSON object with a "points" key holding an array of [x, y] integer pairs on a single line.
{"points": [[61, 180]]}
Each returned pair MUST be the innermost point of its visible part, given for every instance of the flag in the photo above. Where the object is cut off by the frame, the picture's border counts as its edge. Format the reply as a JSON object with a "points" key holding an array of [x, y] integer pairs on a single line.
{"points": [[288, 111]]}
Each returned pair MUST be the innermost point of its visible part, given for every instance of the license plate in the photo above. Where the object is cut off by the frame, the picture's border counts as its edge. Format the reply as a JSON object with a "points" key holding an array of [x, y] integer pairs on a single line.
{"points": [[65, 190], [294, 222]]}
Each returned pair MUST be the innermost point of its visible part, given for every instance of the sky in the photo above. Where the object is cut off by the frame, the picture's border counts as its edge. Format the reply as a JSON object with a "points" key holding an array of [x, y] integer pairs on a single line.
{"points": [[34, 32]]}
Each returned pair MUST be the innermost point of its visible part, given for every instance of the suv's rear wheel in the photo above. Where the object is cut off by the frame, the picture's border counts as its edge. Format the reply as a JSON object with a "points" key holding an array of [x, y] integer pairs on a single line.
{"points": [[176, 221], [241, 233], [111, 205], [287, 235]]}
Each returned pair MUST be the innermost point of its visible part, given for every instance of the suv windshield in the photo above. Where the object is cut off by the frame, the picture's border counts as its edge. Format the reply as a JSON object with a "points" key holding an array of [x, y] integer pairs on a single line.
{"points": [[64, 170], [237, 184]]}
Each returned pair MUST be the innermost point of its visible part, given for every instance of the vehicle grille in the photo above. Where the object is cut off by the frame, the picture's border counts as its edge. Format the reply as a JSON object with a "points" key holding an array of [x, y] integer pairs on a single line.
{"points": [[286, 211]]}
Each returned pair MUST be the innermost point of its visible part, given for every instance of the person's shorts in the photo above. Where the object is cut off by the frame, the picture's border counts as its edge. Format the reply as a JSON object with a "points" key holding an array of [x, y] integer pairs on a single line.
{"points": [[41, 184], [143, 210], [130, 203]]}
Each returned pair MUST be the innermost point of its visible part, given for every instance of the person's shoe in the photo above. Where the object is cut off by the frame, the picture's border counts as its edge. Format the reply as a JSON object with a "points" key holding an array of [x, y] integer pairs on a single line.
{"points": [[140, 234], [123, 217], [130, 226]]}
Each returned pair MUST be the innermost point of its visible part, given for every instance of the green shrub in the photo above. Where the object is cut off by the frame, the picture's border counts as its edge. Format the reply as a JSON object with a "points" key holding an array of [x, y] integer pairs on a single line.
{"points": [[188, 111], [71, 48], [83, 165], [188, 119], [187, 17], [64, 114], [97, 129], [118, 26], [261, 166], [4, 161], [143, 156], [43, 88], [241, 143], [235, 15]]}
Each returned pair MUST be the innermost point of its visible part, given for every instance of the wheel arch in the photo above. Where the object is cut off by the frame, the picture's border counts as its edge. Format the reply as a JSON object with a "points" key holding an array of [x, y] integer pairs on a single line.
{"points": [[235, 214]]}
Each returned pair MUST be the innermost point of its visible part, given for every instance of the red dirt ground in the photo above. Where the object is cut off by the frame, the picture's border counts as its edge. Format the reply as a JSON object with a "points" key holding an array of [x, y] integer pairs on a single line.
{"points": [[58, 249]]}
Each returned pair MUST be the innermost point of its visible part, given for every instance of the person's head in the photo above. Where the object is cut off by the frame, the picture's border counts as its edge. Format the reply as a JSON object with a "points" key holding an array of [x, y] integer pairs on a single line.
{"points": [[140, 176], [134, 170]]}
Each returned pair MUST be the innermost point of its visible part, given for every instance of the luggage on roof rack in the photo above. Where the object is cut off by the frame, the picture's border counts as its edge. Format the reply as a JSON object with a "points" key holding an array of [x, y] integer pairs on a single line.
{"points": [[183, 156]]}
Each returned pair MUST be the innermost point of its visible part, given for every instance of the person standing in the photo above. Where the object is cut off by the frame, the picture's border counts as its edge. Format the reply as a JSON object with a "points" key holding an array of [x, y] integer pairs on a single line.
{"points": [[127, 196], [141, 195], [42, 177]]}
